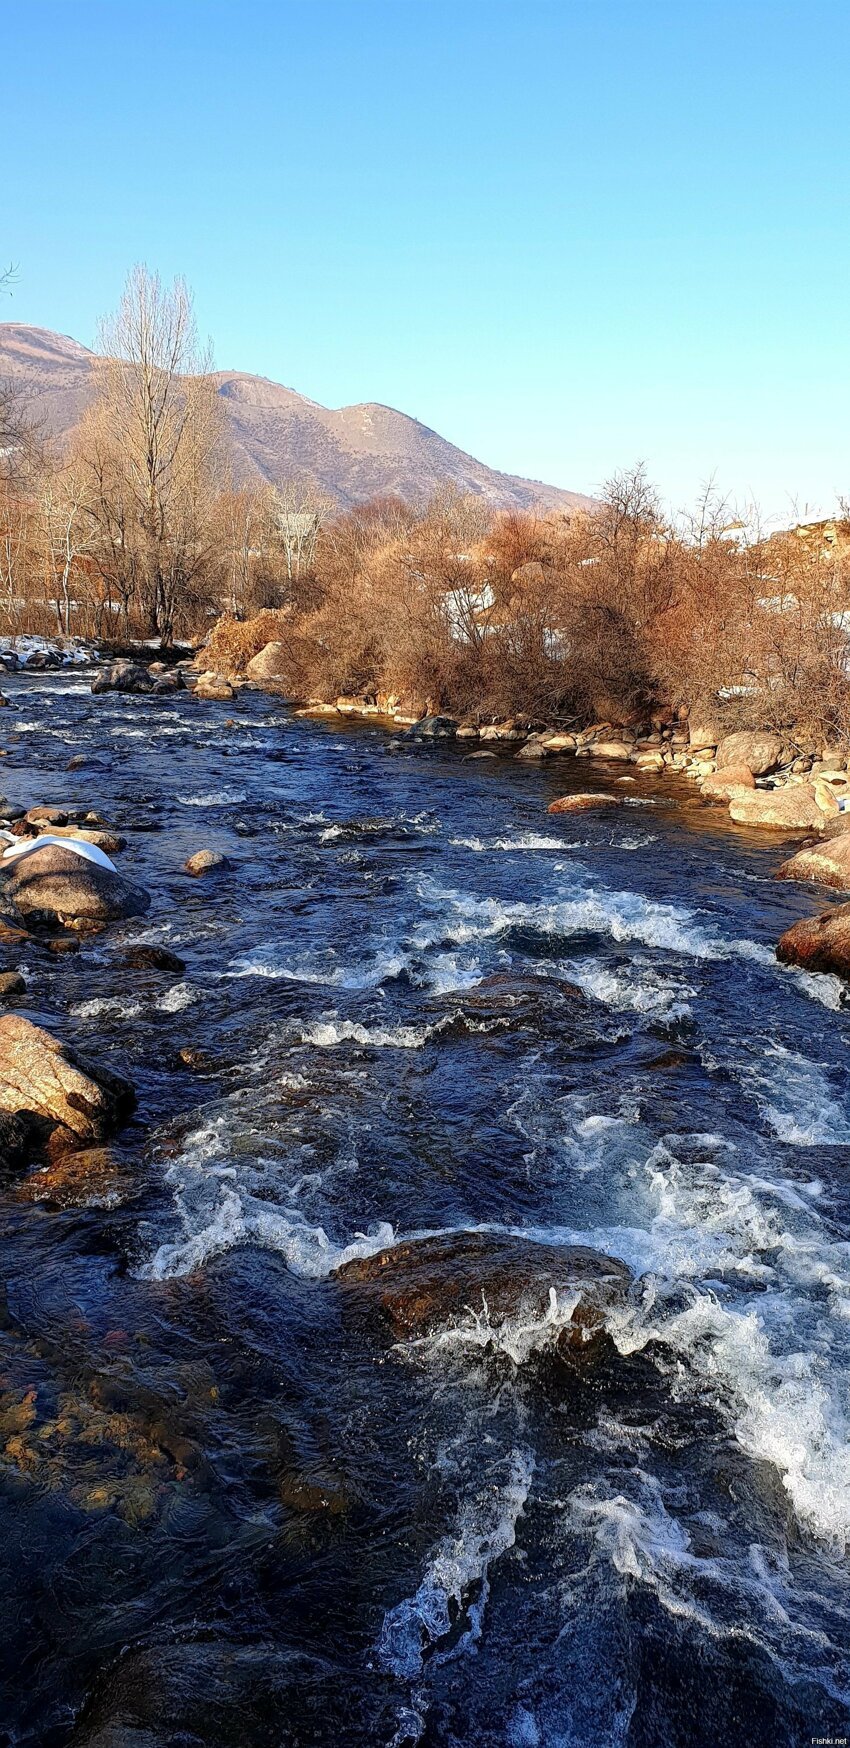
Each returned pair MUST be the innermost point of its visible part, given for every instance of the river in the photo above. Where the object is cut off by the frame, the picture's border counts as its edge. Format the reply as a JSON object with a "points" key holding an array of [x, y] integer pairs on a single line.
{"points": [[233, 1513]]}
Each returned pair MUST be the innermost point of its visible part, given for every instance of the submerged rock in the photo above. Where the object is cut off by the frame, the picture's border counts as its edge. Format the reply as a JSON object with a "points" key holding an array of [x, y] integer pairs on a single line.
{"points": [[15, 1141], [424, 1284], [90, 1178], [145, 958], [54, 885], [819, 943], [44, 1081], [581, 803]]}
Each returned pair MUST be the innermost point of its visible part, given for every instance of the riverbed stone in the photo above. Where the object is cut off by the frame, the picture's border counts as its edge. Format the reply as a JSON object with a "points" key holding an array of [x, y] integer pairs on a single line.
{"points": [[819, 943], [43, 1080], [91, 1177], [432, 728], [791, 809], [584, 802], [424, 1284], [214, 688], [758, 749], [727, 782], [206, 862], [122, 676], [827, 862], [610, 749], [152, 958], [11, 984], [54, 885]]}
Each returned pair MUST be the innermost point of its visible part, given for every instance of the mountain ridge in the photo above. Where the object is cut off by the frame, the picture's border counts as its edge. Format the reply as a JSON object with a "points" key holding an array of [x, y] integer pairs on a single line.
{"points": [[349, 453]]}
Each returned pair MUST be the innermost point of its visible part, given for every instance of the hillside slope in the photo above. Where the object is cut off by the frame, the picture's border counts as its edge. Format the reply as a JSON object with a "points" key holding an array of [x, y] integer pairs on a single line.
{"points": [[349, 453]]}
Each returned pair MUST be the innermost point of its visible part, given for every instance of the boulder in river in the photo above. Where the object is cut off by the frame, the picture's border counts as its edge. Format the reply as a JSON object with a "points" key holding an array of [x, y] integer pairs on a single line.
{"points": [[55, 885], [424, 1284], [726, 784], [214, 688], [122, 676], [582, 803], [11, 984], [44, 1082], [432, 728], [206, 862], [794, 808], [819, 943], [758, 749], [827, 862]]}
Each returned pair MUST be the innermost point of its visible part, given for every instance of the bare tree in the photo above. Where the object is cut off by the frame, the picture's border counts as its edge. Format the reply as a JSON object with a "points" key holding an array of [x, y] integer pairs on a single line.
{"points": [[298, 512], [68, 527], [158, 425]]}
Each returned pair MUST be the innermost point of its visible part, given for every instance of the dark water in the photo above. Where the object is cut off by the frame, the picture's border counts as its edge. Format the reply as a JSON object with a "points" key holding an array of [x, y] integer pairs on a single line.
{"points": [[233, 1513]]}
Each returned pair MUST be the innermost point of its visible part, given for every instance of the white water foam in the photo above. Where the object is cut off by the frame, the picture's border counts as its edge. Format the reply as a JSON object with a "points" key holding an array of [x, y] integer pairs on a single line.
{"points": [[216, 798], [326, 1034], [456, 1584], [795, 1098], [121, 1007], [639, 989], [521, 841], [218, 1209]]}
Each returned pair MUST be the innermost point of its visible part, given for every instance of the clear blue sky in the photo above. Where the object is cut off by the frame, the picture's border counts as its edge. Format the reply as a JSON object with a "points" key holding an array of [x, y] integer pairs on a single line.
{"points": [[566, 235]]}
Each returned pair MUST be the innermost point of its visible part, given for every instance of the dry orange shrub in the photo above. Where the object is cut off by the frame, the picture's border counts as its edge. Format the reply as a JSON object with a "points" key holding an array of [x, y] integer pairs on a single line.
{"points": [[233, 642]]}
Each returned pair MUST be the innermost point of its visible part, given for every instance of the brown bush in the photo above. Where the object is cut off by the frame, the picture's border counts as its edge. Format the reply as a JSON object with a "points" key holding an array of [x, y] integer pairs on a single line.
{"points": [[232, 642]]}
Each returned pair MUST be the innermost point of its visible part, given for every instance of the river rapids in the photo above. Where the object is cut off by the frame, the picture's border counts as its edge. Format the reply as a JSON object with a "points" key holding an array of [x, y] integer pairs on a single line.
{"points": [[233, 1514]]}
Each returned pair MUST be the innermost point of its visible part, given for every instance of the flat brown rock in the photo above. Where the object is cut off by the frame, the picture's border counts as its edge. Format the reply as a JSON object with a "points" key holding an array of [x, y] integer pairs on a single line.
{"points": [[819, 943], [41, 1079], [427, 1283], [55, 885], [581, 803], [791, 809]]}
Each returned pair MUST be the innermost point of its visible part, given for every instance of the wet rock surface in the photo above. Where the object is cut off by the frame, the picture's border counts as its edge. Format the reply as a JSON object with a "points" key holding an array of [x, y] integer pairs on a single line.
{"points": [[43, 1081], [426, 1283], [819, 943], [584, 803]]}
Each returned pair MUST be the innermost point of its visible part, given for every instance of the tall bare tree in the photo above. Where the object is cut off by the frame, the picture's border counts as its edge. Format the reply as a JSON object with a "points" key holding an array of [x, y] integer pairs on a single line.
{"points": [[158, 431]]}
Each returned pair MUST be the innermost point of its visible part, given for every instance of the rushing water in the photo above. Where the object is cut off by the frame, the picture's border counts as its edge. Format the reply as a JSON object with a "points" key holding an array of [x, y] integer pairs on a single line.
{"points": [[233, 1513]]}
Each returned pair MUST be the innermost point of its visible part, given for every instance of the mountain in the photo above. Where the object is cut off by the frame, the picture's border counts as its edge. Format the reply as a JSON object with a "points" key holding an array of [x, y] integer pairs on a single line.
{"points": [[349, 453]]}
